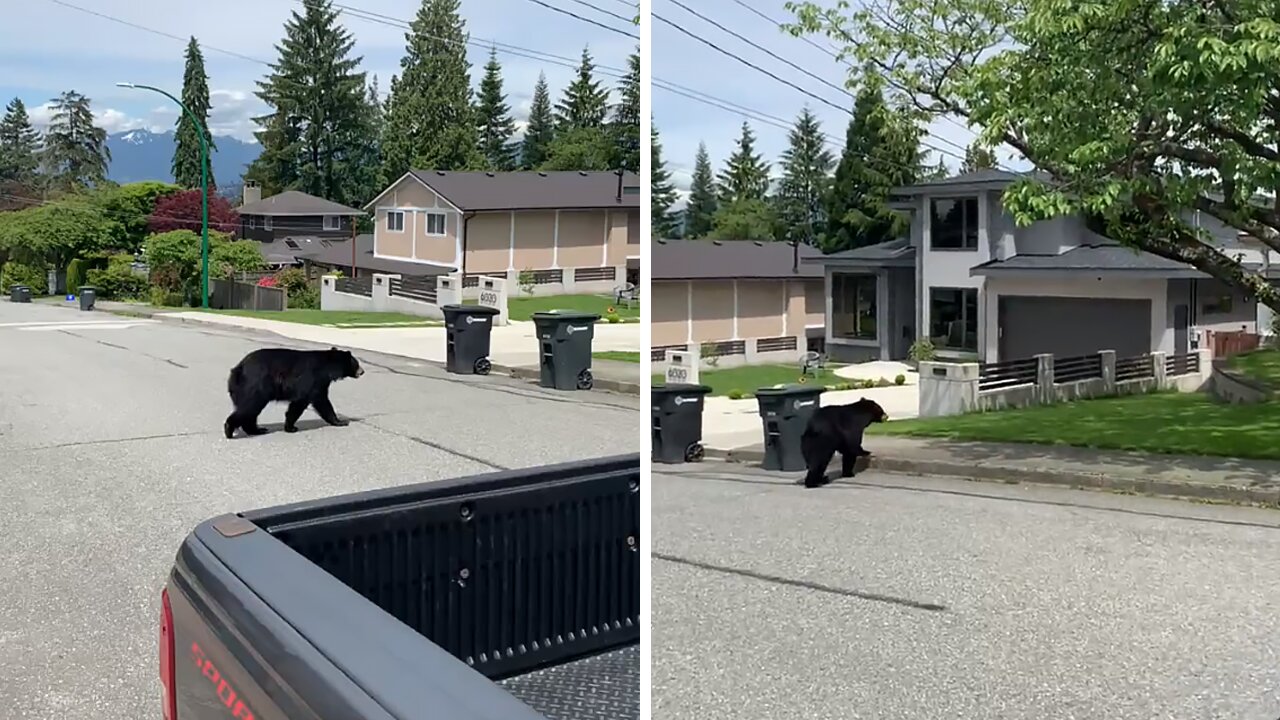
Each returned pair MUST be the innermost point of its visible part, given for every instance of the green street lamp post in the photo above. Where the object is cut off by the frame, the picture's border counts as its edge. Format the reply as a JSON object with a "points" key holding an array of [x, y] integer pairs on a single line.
{"points": [[204, 187]]}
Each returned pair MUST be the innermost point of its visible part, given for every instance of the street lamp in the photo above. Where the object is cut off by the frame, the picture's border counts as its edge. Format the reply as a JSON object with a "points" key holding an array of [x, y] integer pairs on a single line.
{"points": [[204, 187]]}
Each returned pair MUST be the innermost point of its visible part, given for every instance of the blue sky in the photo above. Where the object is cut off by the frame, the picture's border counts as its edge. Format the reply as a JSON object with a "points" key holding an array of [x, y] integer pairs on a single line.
{"points": [[90, 54], [683, 60]]}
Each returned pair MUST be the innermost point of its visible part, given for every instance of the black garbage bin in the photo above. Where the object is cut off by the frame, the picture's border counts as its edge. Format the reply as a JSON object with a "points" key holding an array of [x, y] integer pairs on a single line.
{"points": [[785, 411], [19, 294], [677, 422], [564, 341], [88, 296], [467, 335]]}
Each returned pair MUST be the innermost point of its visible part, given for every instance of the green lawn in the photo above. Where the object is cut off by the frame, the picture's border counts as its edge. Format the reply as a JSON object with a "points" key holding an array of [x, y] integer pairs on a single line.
{"points": [[521, 308], [1263, 365], [618, 355], [336, 318], [749, 378], [1167, 423]]}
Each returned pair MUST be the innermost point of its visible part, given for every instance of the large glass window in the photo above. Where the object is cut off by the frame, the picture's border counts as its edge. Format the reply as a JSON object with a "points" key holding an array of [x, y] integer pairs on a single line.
{"points": [[953, 318], [853, 306], [954, 225]]}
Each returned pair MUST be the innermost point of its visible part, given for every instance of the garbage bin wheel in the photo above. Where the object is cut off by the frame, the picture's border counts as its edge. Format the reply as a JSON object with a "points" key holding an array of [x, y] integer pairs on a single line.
{"points": [[694, 453], [585, 381], [483, 366]]}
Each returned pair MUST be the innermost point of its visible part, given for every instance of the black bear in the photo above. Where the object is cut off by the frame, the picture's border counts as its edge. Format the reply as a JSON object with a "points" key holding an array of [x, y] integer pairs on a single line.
{"points": [[837, 428], [301, 377]]}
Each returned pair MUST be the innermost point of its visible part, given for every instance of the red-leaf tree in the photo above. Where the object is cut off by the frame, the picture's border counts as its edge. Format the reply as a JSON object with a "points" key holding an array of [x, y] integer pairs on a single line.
{"points": [[181, 211]]}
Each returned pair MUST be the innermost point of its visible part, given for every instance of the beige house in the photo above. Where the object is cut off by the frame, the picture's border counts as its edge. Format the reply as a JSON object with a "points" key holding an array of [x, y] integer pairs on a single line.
{"points": [[576, 231], [743, 301]]}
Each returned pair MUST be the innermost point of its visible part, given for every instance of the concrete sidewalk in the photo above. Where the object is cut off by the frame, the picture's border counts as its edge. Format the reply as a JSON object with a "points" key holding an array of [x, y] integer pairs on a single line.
{"points": [[1221, 479], [514, 348]]}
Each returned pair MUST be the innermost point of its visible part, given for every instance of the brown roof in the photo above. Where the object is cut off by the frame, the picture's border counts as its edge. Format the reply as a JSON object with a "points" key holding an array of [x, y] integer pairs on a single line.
{"points": [[550, 190], [296, 202], [337, 253], [730, 259]]}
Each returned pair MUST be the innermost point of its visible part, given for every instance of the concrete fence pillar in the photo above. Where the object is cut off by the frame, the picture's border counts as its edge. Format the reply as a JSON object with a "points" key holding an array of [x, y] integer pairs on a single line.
{"points": [[948, 388], [493, 293], [1044, 378], [684, 366], [1107, 358], [1158, 370], [1205, 367], [449, 289], [569, 278], [382, 292]]}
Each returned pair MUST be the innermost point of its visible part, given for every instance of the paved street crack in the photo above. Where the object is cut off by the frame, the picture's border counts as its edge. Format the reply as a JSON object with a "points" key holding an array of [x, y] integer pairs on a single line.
{"points": [[436, 446], [778, 580], [126, 349]]}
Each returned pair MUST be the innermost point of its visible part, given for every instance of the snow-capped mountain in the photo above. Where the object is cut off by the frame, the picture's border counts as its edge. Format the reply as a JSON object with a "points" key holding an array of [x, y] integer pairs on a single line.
{"points": [[138, 155]]}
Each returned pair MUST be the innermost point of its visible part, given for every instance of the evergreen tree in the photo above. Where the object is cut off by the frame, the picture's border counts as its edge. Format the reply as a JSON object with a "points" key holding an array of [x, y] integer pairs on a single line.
{"points": [[317, 137], [19, 146], [700, 213], [585, 102], [75, 151], [626, 118], [430, 121], [664, 223], [746, 174], [195, 95], [540, 131], [806, 176], [496, 125], [882, 151], [978, 157]]}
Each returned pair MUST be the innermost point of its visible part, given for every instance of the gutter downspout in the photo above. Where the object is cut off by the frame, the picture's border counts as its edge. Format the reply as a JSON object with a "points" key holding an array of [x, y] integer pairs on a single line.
{"points": [[462, 266]]}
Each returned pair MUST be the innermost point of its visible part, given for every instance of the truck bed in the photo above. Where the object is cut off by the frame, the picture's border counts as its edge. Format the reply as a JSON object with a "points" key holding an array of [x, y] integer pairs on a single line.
{"points": [[531, 578]]}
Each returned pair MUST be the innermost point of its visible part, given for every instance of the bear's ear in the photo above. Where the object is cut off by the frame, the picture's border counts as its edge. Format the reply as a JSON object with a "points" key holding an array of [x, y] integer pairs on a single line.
{"points": [[333, 348]]}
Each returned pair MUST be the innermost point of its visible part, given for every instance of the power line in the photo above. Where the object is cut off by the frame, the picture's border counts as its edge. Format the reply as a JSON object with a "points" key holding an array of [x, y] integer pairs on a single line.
{"points": [[571, 14], [599, 9], [762, 48], [748, 63], [803, 38]]}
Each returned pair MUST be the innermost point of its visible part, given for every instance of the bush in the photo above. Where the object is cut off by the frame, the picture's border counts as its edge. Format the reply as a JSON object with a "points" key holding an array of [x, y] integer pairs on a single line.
{"points": [[77, 274], [842, 386], [612, 319], [900, 379], [303, 294], [34, 277], [868, 384], [166, 298], [118, 281], [305, 299], [922, 350], [736, 394]]}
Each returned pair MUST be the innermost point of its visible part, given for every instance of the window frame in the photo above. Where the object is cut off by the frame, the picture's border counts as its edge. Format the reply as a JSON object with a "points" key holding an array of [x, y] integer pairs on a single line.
{"points": [[394, 213], [267, 223], [444, 224], [840, 281], [968, 240], [337, 223], [964, 294]]}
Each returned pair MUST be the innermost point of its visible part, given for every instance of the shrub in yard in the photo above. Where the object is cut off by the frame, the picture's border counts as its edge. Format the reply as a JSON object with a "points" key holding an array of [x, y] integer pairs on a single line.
{"points": [[526, 281], [736, 394], [900, 379], [166, 298], [34, 277], [922, 350], [77, 274], [307, 298], [612, 319], [118, 283], [868, 384]]}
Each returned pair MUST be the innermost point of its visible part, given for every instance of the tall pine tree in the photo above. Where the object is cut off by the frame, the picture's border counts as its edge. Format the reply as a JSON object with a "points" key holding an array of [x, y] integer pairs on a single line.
{"points": [[806, 176], [75, 151], [494, 115], [195, 95], [699, 215], [662, 194], [882, 151], [583, 142], [540, 131], [626, 118], [19, 146], [585, 102], [430, 121], [316, 138], [978, 157], [744, 213]]}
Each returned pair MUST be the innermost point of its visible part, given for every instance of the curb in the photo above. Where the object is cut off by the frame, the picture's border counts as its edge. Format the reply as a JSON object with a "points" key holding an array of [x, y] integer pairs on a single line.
{"points": [[1080, 480], [519, 373]]}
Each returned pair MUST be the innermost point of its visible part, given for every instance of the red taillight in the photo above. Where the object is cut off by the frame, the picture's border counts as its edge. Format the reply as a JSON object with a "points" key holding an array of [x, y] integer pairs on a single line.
{"points": [[168, 683]]}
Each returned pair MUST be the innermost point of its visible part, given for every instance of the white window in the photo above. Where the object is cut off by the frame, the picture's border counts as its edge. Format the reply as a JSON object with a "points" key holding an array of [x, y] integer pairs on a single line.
{"points": [[395, 221], [332, 222], [253, 222], [435, 223], [266, 223]]}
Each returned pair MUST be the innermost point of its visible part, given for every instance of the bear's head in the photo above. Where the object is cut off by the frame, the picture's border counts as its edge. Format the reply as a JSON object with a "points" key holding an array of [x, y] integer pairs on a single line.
{"points": [[872, 409], [347, 363]]}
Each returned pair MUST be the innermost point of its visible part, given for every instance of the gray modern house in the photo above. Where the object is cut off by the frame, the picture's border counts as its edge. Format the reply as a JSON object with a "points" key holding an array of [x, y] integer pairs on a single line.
{"points": [[970, 280]]}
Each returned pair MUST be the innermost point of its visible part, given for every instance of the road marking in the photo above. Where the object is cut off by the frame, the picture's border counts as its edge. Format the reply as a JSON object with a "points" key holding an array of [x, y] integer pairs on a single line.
{"points": [[56, 327]]}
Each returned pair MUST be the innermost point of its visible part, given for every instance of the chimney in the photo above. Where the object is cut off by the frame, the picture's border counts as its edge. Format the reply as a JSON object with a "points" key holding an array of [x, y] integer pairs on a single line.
{"points": [[252, 193]]}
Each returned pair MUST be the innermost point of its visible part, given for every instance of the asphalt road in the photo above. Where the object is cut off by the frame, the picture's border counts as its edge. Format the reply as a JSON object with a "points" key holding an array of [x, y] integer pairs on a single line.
{"points": [[903, 597], [111, 451]]}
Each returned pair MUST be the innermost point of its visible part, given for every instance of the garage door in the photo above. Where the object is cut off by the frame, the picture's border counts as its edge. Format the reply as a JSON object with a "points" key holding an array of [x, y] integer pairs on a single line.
{"points": [[1070, 327]]}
